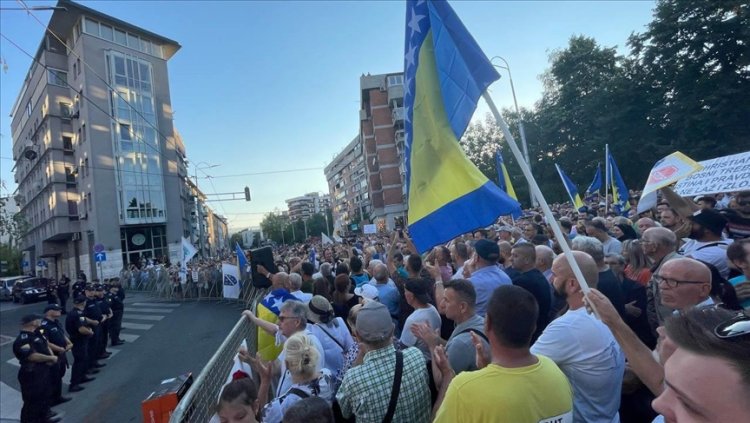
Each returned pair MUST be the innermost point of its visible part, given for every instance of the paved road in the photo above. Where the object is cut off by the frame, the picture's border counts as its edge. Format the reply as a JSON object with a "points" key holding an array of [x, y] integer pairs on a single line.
{"points": [[163, 340]]}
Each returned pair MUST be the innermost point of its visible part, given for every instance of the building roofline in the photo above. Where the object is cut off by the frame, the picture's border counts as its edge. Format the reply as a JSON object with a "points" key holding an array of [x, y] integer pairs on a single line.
{"points": [[68, 4]]}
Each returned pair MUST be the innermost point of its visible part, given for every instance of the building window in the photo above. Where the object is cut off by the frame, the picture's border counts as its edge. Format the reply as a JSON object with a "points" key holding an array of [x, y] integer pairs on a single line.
{"points": [[65, 109], [91, 26], [72, 210], [395, 80], [29, 108], [67, 142], [78, 62], [82, 133], [88, 201], [86, 166], [106, 32], [125, 132], [57, 77]]}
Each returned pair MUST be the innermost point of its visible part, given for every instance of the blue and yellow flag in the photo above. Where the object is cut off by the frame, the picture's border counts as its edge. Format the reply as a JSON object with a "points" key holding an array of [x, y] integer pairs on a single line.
{"points": [[570, 187], [268, 310], [596, 184], [620, 192], [445, 74], [503, 178]]}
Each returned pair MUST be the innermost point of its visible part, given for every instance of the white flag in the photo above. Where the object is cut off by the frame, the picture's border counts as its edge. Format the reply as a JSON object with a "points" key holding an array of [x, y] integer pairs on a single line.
{"points": [[666, 171], [231, 278], [326, 240], [337, 238], [188, 251]]}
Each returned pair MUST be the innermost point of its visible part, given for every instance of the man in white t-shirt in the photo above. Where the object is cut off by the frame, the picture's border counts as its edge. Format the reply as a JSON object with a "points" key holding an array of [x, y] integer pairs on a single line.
{"points": [[707, 243], [416, 295], [583, 347]]}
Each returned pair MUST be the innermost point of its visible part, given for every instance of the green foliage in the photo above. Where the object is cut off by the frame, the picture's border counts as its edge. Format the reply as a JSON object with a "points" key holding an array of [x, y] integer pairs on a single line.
{"points": [[683, 86]]}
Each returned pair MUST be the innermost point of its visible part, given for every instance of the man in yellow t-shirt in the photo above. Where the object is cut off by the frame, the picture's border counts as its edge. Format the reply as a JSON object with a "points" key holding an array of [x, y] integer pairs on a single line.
{"points": [[517, 386]]}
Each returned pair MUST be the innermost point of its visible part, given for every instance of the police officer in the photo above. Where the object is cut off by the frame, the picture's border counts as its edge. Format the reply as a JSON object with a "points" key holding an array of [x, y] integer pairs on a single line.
{"points": [[80, 333], [79, 288], [51, 291], [94, 318], [118, 309], [59, 344], [63, 292], [36, 360], [103, 304]]}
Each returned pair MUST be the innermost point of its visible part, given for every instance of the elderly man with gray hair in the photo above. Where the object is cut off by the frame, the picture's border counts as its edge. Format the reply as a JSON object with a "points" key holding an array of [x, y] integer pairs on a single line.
{"points": [[608, 284], [295, 284]]}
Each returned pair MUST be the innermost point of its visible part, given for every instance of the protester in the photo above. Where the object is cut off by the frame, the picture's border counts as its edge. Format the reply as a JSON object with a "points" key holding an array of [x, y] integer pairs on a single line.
{"points": [[707, 242], [516, 386], [738, 254], [738, 226], [366, 391], [343, 299], [659, 245], [486, 275], [582, 346], [607, 283], [309, 410], [295, 285], [330, 330], [424, 312], [238, 402], [544, 258], [597, 228], [523, 260]]}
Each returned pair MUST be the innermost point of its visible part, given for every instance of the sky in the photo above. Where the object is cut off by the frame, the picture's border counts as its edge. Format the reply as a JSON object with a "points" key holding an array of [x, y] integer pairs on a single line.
{"points": [[271, 89]]}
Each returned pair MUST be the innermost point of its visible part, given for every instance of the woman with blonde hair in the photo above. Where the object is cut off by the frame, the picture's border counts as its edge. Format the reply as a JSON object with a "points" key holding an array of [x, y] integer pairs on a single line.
{"points": [[637, 267], [301, 358]]}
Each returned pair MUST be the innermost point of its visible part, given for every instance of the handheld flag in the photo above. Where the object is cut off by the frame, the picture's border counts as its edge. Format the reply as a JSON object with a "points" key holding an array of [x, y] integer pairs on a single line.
{"points": [[241, 259], [570, 187], [268, 310], [231, 277], [619, 190], [325, 239], [665, 172], [503, 178], [445, 74], [188, 251], [596, 184]]}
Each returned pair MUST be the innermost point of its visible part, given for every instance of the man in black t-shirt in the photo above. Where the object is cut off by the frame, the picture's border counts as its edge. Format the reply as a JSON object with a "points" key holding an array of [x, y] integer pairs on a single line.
{"points": [[528, 277]]}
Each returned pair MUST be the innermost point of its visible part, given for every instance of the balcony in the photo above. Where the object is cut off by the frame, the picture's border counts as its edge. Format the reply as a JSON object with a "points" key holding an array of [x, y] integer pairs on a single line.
{"points": [[395, 92], [398, 115]]}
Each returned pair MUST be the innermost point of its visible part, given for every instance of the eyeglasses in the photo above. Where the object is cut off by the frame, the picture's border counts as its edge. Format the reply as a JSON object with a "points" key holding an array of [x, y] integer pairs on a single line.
{"points": [[737, 325], [282, 318], [674, 283]]}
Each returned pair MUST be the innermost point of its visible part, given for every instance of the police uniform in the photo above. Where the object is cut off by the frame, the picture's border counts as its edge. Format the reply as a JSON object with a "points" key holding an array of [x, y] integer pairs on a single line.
{"points": [[51, 291], [93, 312], [104, 326], [79, 288], [115, 323], [53, 331], [33, 377], [73, 322], [63, 292]]}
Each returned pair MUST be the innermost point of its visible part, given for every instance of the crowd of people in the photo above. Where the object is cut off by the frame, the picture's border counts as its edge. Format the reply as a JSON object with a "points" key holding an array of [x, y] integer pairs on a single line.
{"points": [[495, 326], [93, 322]]}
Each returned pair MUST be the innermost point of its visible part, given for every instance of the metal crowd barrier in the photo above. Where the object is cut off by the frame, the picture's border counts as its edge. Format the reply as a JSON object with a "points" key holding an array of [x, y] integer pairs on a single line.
{"points": [[198, 404]]}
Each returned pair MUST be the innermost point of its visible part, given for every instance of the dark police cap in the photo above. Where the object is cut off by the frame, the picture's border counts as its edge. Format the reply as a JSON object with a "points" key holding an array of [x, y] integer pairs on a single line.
{"points": [[55, 307], [99, 287], [90, 287], [79, 299]]}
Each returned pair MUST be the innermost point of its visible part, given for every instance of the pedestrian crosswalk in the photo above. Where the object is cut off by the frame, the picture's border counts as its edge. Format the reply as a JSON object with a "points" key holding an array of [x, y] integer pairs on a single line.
{"points": [[138, 318]]}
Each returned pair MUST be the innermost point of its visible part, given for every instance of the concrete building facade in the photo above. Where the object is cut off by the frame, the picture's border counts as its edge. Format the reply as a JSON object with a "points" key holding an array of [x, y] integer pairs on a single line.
{"points": [[304, 206], [348, 186], [382, 133], [97, 163]]}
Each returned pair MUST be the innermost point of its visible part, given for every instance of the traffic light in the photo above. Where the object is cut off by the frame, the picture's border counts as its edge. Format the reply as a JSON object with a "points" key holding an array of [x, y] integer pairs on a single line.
{"points": [[247, 193]]}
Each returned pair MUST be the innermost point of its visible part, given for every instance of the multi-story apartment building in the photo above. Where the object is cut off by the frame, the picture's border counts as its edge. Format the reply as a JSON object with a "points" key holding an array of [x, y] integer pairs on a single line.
{"points": [[95, 151], [382, 132], [303, 207], [347, 185]]}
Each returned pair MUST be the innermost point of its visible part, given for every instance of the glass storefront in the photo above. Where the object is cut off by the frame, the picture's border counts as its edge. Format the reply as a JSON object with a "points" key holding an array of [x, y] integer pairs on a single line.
{"points": [[141, 243]]}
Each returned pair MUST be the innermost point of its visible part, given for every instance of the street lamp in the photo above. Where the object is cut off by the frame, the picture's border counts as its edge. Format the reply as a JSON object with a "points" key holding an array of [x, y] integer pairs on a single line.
{"points": [[520, 120], [196, 168]]}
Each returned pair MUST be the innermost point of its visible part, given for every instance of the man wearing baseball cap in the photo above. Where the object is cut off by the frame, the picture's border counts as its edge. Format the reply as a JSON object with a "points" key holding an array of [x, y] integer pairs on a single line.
{"points": [[388, 385], [707, 242], [59, 344], [486, 275], [36, 360]]}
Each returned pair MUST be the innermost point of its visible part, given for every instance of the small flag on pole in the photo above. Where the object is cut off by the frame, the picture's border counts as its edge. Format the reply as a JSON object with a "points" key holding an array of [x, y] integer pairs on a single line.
{"points": [[325, 239], [620, 192], [596, 184], [665, 172], [570, 187], [503, 177], [445, 74]]}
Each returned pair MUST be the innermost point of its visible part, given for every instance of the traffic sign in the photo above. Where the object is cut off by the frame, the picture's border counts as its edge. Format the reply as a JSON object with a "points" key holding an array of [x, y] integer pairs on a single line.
{"points": [[41, 263], [100, 257], [98, 248]]}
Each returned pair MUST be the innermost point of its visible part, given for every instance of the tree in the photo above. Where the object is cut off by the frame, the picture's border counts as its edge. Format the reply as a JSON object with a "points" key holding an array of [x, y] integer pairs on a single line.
{"points": [[235, 239]]}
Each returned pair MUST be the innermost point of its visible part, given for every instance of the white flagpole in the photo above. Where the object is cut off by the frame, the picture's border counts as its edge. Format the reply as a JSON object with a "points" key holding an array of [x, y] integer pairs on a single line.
{"points": [[606, 179], [537, 193]]}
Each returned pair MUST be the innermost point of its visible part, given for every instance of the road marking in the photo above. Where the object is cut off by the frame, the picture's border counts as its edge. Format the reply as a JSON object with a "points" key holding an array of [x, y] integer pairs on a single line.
{"points": [[129, 337], [139, 326], [10, 403], [6, 340], [147, 310], [144, 317], [155, 304]]}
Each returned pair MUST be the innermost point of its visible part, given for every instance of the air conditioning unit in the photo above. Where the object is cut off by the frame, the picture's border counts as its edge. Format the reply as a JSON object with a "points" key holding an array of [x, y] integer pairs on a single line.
{"points": [[83, 216]]}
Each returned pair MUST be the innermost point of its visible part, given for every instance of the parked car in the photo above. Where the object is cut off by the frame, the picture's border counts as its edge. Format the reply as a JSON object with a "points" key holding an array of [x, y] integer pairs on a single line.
{"points": [[6, 286], [29, 290]]}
